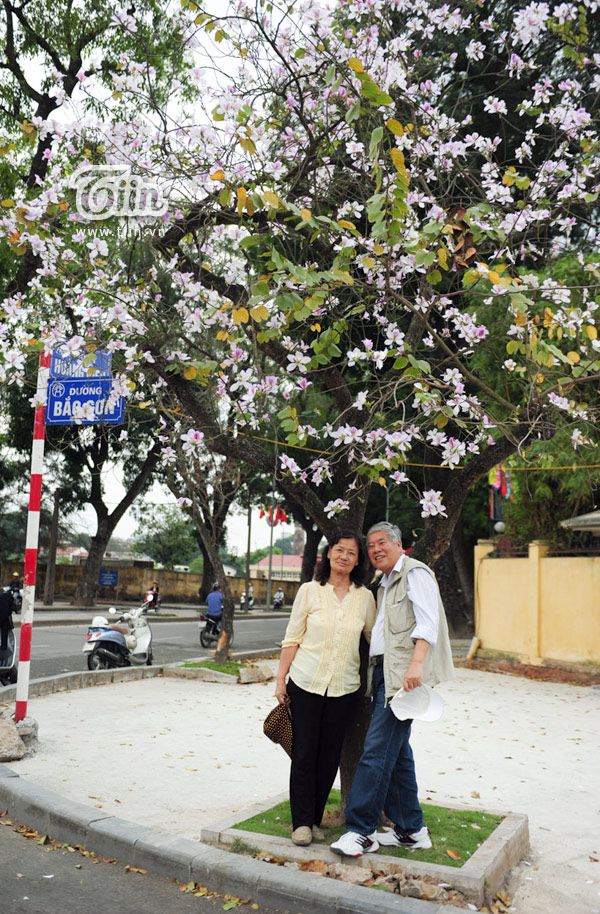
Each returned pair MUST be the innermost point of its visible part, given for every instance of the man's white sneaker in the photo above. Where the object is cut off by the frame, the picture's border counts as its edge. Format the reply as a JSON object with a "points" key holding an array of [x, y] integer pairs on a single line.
{"points": [[394, 838], [353, 845]]}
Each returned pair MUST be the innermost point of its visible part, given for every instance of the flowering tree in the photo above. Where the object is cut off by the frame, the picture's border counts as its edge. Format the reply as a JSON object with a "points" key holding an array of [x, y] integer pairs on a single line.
{"points": [[363, 206]]}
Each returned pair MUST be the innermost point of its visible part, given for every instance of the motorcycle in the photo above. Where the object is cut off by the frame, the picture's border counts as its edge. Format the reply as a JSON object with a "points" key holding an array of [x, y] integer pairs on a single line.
{"points": [[209, 634], [110, 645], [278, 601], [243, 601], [151, 601], [8, 661], [8, 657]]}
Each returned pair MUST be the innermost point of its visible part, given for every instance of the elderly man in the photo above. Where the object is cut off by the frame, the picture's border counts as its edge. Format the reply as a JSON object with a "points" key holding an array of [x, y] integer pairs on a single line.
{"points": [[409, 646]]}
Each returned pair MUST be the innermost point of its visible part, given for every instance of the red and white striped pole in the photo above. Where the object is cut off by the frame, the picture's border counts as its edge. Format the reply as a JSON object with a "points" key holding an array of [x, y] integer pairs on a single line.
{"points": [[31, 543]]}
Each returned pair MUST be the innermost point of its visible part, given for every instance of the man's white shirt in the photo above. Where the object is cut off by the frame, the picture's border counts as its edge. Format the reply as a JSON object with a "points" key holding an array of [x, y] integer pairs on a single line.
{"points": [[422, 593]]}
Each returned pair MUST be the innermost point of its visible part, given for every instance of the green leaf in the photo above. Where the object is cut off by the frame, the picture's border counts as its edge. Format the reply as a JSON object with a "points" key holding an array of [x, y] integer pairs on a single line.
{"points": [[249, 242], [376, 137], [372, 92], [259, 290], [425, 258], [353, 113]]}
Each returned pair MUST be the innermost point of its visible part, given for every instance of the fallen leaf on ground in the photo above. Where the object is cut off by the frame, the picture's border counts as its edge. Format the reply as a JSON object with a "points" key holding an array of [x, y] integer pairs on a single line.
{"points": [[315, 866], [454, 854]]}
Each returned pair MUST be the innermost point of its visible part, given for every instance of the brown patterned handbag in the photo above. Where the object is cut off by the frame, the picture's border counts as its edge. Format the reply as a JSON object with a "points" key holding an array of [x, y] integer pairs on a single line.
{"points": [[278, 726]]}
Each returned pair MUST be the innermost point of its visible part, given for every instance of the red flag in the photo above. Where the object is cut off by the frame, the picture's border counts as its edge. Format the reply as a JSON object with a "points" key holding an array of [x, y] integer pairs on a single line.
{"points": [[262, 512], [283, 517], [277, 514]]}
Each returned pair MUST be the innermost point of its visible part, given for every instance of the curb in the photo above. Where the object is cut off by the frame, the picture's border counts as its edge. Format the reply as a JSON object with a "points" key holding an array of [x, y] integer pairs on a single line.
{"points": [[181, 858], [480, 877], [86, 614], [63, 682]]}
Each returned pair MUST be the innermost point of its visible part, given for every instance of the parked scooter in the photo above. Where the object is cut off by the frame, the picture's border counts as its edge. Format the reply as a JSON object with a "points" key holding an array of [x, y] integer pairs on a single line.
{"points": [[8, 657], [210, 631], [111, 645], [8, 661]]}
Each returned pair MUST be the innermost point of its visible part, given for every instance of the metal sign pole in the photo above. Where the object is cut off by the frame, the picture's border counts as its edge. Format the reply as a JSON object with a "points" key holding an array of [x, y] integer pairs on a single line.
{"points": [[31, 542]]}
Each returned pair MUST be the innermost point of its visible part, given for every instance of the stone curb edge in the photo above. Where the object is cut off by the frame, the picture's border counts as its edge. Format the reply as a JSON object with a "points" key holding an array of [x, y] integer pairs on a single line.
{"points": [[63, 682], [41, 622], [186, 860], [478, 879]]}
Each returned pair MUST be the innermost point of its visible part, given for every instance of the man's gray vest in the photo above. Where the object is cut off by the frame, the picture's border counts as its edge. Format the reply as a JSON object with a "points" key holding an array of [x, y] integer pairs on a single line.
{"points": [[398, 625]]}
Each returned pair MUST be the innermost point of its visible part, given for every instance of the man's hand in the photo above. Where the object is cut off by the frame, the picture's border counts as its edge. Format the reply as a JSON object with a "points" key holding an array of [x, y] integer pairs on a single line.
{"points": [[413, 677]]}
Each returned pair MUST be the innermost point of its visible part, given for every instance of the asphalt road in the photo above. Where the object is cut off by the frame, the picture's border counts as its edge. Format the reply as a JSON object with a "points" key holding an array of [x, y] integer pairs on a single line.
{"points": [[58, 649], [50, 879]]}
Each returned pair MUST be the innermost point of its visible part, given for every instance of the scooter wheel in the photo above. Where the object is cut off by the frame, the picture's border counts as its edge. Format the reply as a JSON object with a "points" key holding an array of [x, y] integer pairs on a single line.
{"points": [[96, 661], [205, 639]]}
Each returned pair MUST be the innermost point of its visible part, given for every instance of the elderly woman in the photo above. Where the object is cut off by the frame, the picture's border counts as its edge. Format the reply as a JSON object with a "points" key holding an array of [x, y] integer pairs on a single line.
{"points": [[320, 652]]}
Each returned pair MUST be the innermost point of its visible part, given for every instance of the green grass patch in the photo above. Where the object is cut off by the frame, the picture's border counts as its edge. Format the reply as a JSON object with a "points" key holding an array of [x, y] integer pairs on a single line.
{"points": [[230, 666], [458, 830], [239, 846]]}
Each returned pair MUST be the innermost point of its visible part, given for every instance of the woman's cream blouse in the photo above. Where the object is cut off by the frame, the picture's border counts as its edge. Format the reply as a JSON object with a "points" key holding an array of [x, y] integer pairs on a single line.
{"points": [[327, 632]]}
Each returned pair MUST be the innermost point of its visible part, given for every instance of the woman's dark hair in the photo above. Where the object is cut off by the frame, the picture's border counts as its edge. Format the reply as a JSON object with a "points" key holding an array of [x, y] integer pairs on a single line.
{"points": [[361, 572]]}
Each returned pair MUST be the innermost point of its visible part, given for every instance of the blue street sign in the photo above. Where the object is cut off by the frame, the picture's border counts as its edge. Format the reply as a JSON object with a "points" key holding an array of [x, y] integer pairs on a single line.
{"points": [[92, 364], [86, 402], [108, 577]]}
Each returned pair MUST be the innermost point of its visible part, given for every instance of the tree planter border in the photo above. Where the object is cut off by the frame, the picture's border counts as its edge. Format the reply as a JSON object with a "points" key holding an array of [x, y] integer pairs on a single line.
{"points": [[480, 877]]}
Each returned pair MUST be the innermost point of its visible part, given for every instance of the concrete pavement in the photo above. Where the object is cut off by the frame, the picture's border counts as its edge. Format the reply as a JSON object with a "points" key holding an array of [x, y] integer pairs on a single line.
{"points": [[136, 769]]}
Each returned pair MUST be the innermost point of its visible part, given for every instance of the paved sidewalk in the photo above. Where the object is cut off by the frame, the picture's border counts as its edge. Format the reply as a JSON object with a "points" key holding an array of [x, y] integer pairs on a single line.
{"points": [[179, 755]]}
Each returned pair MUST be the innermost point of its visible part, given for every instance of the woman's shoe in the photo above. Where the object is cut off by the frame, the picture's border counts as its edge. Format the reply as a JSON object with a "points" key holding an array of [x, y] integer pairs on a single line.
{"points": [[318, 833], [302, 835]]}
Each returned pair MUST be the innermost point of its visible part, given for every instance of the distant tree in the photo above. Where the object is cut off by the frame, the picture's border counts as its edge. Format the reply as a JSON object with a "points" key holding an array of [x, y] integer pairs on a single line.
{"points": [[543, 499], [167, 536]]}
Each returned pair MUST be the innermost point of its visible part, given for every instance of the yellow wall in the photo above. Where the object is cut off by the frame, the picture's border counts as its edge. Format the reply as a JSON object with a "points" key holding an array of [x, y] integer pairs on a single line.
{"points": [[175, 586], [538, 607], [571, 601]]}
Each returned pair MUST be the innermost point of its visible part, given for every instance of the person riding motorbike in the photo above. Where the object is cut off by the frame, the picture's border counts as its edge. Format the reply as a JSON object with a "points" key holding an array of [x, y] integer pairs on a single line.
{"points": [[214, 603], [17, 594], [155, 599], [278, 598]]}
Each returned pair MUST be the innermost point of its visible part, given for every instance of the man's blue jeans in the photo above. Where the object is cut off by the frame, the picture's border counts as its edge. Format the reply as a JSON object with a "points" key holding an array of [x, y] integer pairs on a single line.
{"points": [[385, 775]]}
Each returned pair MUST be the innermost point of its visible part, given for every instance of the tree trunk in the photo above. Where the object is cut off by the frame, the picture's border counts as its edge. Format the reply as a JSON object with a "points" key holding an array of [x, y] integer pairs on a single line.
{"points": [[208, 574], [439, 530], [85, 591], [222, 651], [309, 557], [462, 555], [356, 732]]}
